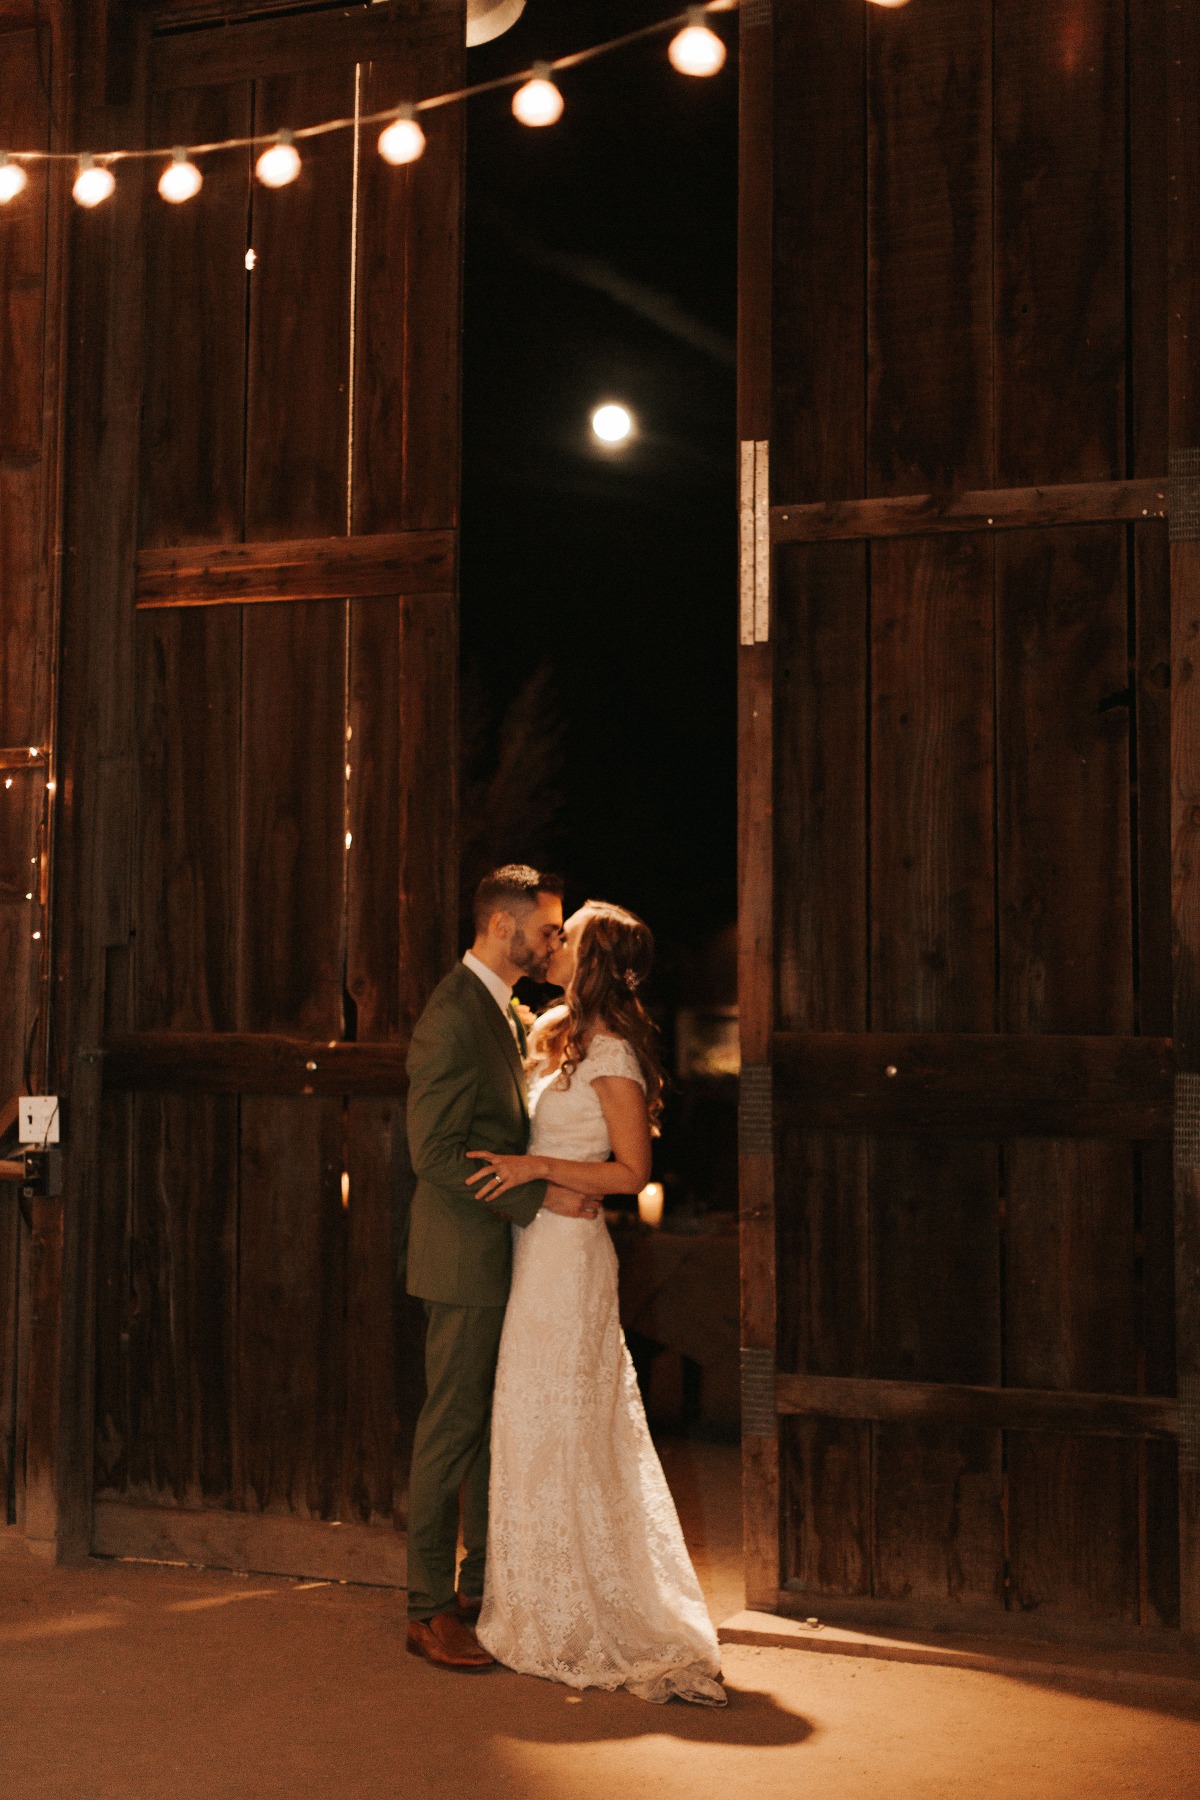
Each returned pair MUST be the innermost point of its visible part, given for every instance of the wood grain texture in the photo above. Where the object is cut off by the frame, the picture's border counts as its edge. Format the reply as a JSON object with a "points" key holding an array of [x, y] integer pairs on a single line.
{"points": [[820, 789], [290, 1403], [1183, 276], [290, 933], [23, 250], [818, 329], [416, 562], [932, 774], [1063, 707], [1070, 1296], [897, 1401], [428, 787], [929, 270], [189, 729], [250, 1063], [315, 1550], [95, 826], [761, 1471], [275, 47], [971, 510], [978, 1084], [1060, 340], [299, 347], [196, 294], [410, 248]]}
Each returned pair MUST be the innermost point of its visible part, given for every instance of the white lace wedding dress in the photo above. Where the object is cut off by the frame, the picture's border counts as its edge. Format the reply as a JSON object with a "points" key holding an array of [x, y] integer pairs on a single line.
{"points": [[588, 1578]]}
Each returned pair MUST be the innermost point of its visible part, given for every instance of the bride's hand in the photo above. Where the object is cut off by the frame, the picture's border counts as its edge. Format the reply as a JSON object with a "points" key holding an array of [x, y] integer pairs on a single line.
{"points": [[501, 1173]]}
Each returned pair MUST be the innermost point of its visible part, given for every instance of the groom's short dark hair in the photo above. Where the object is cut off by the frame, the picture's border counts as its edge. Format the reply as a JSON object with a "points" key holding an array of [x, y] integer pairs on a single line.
{"points": [[514, 888]]}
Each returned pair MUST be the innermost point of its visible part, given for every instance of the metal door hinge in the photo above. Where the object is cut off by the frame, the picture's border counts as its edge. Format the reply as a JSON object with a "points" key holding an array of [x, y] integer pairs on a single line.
{"points": [[760, 1417], [754, 518], [1183, 496]]}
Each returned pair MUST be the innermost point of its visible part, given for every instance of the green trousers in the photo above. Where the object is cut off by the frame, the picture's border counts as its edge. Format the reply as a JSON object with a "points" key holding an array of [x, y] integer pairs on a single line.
{"points": [[452, 1455]]}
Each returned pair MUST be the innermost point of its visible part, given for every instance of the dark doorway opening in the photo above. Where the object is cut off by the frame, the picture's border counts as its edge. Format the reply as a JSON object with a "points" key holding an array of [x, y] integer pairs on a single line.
{"points": [[598, 585]]}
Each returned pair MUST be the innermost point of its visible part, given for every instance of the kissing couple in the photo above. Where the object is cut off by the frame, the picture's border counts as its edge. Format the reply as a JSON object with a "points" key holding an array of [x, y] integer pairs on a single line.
{"points": [[575, 1566]]}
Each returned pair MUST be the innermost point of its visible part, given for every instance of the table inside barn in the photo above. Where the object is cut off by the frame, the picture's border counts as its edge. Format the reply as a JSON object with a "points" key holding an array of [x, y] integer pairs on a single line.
{"points": [[679, 1295]]}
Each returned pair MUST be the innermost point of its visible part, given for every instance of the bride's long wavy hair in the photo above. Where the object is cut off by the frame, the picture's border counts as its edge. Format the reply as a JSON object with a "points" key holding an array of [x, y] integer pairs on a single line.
{"points": [[616, 951]]}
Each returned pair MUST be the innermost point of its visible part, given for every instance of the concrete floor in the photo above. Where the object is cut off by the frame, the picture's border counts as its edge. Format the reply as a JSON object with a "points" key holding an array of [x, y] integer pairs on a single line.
{"points": [[123, 1681]]}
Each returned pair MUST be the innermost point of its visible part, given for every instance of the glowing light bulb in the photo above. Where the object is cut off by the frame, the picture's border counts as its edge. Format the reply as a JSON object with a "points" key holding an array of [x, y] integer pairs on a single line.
{"points": [[696, 50], [889, 2], [251, 259], [612, 424], [650, 1204], [93, 183], [279, 164], [345, 1189], [539, 101], [349, 839], [8, 781], [181, 180], [403, 140], [13, 179]]}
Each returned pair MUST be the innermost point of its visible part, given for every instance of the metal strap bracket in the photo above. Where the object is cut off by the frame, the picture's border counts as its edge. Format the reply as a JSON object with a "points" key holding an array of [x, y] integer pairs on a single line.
{"points": [[756, 1110], [1183, 496], [759, 1415], [754, 517], [1187, 1120], [1189, 1423]]}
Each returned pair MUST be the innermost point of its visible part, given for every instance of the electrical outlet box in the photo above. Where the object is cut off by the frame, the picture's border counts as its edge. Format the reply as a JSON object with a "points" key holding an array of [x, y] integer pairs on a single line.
{"points": [[38, 1119]]}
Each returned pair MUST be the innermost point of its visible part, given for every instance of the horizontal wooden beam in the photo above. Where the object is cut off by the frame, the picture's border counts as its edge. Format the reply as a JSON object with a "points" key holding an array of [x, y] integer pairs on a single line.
{"points": [[975, 1084], [348, 568], [249, 1063], [11, 1171], [252, 1543], [16, 757], [985, 1408], [984, 509], [234, 51]]}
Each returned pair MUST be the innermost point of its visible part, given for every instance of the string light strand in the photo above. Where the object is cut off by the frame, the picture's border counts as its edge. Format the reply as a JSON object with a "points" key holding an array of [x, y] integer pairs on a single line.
{"points": [[573, 60]]}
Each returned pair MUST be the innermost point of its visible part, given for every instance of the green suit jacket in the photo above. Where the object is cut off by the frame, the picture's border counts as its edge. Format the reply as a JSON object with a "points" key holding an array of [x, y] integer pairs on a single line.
{"points": [[466, 1092]]}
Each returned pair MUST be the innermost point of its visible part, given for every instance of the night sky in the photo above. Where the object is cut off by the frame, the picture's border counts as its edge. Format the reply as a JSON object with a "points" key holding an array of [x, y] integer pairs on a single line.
{"points": [[600, 264]]}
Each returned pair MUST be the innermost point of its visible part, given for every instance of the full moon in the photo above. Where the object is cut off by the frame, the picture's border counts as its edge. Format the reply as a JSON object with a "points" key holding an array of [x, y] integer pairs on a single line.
{"points": [[612, 424]]}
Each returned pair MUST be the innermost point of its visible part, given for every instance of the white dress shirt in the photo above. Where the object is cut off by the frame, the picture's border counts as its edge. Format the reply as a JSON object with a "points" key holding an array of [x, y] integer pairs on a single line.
{"points": [[499, 990]]}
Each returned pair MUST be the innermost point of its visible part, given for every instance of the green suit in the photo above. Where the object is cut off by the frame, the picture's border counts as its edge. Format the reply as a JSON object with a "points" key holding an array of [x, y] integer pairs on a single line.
{"points": [[466, 1092]]}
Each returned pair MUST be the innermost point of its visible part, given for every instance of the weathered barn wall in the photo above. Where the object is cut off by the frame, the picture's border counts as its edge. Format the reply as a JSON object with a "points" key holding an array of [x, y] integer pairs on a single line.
{"points": [[33, 63], [255, 838], [958, 291]]}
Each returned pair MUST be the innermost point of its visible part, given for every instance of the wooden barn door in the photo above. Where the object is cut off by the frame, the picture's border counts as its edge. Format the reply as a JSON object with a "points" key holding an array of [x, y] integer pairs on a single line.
{"points": [[287, 670], [969, 1387]]}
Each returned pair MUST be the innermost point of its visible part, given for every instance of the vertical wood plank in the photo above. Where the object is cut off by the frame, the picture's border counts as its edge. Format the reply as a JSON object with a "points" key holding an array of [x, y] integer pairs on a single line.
{"points": [[1066, 959], [196, 282], [934, 1206], [1183, 274], [818, 381], [291, 1245], [821, 878], [929, 267], [410, 235], [299, 352], [756, 1174], [94, 831], [291, 1372], [1060, 236]]}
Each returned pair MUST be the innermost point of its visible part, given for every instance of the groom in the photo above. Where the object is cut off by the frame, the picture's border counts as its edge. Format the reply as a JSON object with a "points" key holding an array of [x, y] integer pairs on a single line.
{"points": [[467, 1092]]}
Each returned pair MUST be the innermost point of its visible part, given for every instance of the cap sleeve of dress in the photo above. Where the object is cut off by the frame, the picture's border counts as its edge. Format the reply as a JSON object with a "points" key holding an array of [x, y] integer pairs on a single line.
{"points": [[612, 1056]]}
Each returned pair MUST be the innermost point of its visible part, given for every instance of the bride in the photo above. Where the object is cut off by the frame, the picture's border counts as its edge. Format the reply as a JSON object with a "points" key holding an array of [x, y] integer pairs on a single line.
{"points": [[588, 1578]]}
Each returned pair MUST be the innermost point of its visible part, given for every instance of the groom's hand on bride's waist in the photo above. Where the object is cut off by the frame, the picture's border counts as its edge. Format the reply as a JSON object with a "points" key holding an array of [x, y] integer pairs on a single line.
{"points": [[571, 1206]]}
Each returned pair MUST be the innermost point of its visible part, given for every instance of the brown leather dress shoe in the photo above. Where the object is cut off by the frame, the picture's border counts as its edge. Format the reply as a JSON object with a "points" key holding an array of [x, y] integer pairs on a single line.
{"points": [[468, 1607], [448, 1642]]}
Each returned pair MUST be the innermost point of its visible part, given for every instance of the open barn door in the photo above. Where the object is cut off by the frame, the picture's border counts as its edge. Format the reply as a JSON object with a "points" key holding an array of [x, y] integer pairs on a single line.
{"points": [[969, 1268], [259, 878]]}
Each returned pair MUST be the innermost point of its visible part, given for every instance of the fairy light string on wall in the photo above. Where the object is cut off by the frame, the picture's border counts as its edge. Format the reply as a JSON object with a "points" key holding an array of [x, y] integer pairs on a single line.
{"points": [[694, 50], [537, 101]]}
